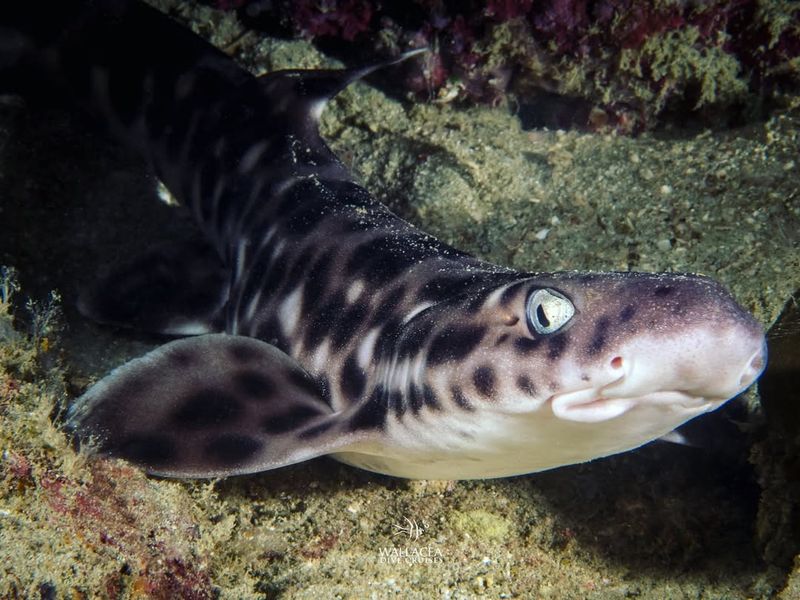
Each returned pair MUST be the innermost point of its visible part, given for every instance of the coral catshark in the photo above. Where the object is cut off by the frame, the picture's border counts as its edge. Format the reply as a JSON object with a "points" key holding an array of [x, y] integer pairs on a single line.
{"points": [[319, 322]]}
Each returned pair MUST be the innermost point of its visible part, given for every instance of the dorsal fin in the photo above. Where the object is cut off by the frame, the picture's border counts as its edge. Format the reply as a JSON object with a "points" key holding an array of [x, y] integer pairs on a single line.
{"points": [[300, 95]]}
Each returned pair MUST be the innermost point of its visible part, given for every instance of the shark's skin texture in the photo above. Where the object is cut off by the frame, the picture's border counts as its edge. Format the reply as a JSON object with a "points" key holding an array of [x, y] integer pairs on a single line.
{"points": [[347, 331]]}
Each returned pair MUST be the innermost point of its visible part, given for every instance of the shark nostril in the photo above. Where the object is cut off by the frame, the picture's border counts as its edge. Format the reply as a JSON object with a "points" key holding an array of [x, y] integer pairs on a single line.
{"points": [[616, 363]]}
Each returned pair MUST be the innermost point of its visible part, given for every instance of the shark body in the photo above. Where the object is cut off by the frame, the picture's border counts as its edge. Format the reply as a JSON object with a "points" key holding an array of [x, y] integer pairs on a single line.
{"points": [[319, 322]]}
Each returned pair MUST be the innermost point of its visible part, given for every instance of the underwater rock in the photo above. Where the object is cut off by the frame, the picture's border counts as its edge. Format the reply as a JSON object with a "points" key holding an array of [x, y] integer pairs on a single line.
{"points": [[630, 66]]}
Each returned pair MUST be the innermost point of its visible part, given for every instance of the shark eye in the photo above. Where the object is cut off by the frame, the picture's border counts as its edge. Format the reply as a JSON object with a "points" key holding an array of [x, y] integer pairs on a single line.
{"points": [[548, 311]]}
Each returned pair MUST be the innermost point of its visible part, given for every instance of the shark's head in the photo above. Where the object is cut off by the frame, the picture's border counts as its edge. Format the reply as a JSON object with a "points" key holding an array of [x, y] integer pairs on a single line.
{"points": [[561, 368]]}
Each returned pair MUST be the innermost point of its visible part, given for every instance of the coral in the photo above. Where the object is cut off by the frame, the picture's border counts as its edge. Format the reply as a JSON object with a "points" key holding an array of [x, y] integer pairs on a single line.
{"points": [[129, 537], [629, 63], [337, 18]]}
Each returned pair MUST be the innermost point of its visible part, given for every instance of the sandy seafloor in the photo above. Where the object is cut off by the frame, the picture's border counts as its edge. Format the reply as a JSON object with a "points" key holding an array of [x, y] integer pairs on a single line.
{"points": [[666, 521]]}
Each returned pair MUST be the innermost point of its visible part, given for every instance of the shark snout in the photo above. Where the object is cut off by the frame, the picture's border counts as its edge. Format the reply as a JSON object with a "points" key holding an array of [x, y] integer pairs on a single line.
{"points": [[712, 365]]}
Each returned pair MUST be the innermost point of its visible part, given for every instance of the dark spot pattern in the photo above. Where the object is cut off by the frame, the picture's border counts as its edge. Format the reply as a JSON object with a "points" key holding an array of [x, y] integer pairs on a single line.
{"points": [[454, 344], [387, 338], [182, 359], [242, 352], [270, 331], [306, 217], [347, 325], [525, 384], [524, 345], [253, 384], [415, 400], [288, 421], [460, 399], [388, 305], [441, 288], [627, 313], [317, 281], [484, 380], [151, 449], [414, 338], [385, 257], [662, 291], [397, 402], [135, 385], [324, 386], [319, 328], [299, 267], [599, 336], [206, 408], [430, 398], [372, 413], [273, 281], [303, 382], [354, 379], [501, 340], [556, 344], [231, 449]]}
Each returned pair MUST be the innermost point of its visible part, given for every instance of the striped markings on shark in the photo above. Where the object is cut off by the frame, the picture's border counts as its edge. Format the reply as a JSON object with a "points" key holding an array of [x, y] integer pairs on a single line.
{"points": [[321, 323]]}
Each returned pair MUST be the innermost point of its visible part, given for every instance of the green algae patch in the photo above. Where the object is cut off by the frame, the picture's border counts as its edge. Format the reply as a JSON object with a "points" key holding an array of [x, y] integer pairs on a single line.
{"points": [[481, 524], [79, 527], [675, 59]]}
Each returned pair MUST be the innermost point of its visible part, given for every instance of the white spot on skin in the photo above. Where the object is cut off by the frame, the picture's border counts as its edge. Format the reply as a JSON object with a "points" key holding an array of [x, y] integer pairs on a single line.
{"points": [[286, 185], [493, 299], [277, 252], [320, 358], [251, 308], [367, 347], [418, 369], [399, 380], [416, 310], [265, 240], [354, 291], [317, 108], [219, 189], [289, 311], [252, 156], [165, 195], [241, 249], [188, 328]]}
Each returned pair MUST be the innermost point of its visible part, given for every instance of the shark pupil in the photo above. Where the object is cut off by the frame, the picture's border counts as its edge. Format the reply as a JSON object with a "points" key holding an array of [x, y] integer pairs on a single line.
{"points": [[542, 317]]}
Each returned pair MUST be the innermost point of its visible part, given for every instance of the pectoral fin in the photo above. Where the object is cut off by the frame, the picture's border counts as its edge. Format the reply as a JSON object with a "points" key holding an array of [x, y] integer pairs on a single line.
{"points": [[207, 406]]}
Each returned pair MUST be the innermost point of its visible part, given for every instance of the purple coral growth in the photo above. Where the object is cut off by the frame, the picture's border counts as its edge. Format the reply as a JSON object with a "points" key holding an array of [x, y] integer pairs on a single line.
{"points": [[483, 51], [344, 19]]}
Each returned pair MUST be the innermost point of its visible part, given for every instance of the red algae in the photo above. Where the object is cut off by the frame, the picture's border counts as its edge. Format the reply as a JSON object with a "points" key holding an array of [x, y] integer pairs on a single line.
{"points": [[609, 54]]}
